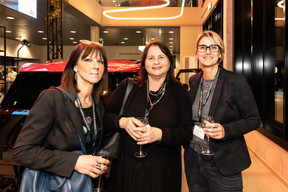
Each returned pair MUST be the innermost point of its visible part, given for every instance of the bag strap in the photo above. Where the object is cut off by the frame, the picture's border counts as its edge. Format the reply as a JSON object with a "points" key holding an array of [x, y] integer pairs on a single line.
{"points": [[128, 89], [79, 138]]}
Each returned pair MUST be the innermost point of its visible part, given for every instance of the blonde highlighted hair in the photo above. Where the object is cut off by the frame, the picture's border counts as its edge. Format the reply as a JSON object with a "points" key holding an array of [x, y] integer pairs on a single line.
{"points": [[213, 37]]}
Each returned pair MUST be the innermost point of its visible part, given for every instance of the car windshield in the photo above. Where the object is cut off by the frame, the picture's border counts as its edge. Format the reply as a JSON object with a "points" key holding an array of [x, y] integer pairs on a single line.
{"points": [[26, 88]]}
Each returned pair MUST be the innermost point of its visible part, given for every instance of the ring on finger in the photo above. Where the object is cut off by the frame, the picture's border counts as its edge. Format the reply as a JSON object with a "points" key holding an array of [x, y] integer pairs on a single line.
{"points": [[98, 165]]}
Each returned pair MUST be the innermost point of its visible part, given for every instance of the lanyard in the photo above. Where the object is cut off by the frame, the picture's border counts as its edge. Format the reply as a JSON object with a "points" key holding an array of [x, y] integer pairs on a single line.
{"points": [[161, 91], [84, 119], [201, 102]]}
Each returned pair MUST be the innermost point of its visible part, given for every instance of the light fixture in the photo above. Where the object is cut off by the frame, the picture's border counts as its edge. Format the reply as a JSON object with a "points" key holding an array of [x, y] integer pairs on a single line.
{"points": [[171, 39], [105, 13], [9, 17], [71, 38], [138, 31], [125, 38], [280, 4], [8, 31], [24, 42], [72, 31], [105, 31], [40, 31], [171, 32]]}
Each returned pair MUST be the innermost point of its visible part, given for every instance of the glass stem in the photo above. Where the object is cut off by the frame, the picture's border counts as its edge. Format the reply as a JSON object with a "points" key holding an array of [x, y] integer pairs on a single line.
{"points": [[99, 181]]}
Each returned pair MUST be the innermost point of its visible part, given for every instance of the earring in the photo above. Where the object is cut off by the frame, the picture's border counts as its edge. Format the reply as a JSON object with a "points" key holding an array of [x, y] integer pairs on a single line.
{"points": [[75, 76]]}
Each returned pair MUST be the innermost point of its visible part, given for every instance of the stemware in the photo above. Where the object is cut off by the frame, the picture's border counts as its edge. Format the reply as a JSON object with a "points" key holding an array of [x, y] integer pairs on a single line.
{"points": [[141, 153], [208, 151], [104, 154]]}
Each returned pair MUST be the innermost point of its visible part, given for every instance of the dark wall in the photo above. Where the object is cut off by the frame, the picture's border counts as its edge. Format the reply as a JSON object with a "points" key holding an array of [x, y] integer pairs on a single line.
{"points": [[255, 58]]}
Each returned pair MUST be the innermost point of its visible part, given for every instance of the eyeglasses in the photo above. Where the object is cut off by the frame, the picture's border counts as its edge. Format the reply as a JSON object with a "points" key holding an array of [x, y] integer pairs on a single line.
{"points": [[203, 48], [87, 42]]}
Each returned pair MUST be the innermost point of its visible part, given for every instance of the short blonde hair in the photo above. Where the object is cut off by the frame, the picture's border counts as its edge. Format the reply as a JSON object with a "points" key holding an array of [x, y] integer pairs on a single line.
{"points": [[216, 38]]}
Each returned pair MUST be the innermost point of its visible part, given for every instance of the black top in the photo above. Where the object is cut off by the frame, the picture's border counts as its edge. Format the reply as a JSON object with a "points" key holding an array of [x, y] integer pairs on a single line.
{"points": [[160, 171]]}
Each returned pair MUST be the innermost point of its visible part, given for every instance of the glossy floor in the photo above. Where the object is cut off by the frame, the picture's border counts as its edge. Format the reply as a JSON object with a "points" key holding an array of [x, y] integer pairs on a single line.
{"points": [[257, 178]]}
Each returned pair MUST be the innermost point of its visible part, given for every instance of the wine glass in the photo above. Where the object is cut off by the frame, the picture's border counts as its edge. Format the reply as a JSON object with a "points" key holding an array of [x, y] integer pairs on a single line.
{"points": [[140, 153], [208, 152], [104, 154]]}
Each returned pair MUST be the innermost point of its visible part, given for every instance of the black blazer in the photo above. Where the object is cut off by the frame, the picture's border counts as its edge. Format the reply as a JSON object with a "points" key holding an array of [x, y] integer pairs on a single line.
{"points": [[234, 107], [48, 136]]}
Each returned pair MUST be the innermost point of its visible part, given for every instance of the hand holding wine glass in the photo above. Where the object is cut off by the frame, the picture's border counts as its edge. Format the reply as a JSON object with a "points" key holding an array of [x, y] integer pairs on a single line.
{"points": [[140, 153], [208, 152], [104, 154]]}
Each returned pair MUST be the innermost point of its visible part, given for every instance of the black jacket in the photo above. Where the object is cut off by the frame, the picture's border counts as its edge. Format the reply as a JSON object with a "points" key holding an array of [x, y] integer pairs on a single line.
{"points": [[234, 107], [48, 136]]}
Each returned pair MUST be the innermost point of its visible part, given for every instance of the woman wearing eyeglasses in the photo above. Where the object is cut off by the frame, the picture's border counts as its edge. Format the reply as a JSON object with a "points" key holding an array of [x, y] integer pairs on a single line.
{"points": [[59, 116], [218, 153]]}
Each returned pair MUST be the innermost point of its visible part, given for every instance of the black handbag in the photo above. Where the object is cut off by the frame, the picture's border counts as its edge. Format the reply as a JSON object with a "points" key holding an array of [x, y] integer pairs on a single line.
{"points": [[112, 141], [39, 181]]}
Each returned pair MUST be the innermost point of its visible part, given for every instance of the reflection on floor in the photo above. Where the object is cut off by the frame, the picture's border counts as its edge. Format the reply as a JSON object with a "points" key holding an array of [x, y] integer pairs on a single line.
{"points": [[257, 178]]}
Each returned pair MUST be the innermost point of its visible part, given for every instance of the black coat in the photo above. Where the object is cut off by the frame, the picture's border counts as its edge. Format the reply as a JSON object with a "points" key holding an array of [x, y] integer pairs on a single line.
{"points": [[234, 107], [160, 171], [48, 136]]}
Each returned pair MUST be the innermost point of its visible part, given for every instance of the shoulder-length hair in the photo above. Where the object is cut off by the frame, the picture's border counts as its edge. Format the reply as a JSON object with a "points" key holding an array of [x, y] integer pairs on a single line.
{"points": [[143, 72], [83, 50], [216, 38]]}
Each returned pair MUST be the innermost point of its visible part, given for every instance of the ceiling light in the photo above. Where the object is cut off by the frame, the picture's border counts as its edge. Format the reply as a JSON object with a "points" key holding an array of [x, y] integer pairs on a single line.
{"points": [[138, 31], [105, 31], [171, 46], [171, 42], [171, 39], [75, 42], [279, 19], [125, 38], [40, 31], [122, 42], [143, 8], [9, 17], [280, 4], [152, 38], [171, 31], [18, 38], [44, 38], [71, 38], [8, 31], [72, 31]]}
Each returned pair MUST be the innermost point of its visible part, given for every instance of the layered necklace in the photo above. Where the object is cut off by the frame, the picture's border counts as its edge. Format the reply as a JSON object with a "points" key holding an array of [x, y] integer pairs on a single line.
{"points": [[158, 96]]}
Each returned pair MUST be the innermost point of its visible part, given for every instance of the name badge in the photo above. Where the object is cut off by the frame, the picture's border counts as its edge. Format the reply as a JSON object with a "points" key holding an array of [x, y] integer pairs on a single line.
{"points": [[198, 131]]}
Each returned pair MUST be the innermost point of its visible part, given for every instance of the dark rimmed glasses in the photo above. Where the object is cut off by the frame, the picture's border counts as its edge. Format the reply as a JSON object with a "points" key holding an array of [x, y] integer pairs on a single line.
{"points": [[203, 48], [87, 42]]}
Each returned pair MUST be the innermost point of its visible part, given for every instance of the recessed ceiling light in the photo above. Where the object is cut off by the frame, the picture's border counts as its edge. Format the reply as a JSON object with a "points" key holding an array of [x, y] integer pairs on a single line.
{"points": [[171, 46], [152, 38], [44, 38], [40, 31], [72, 31], [122, 42], [18, 38], [71, 38], [171, 42], [171, 31], [171, 39], [105, 31], [9, 17], [8, 31], [75, 42], [138, 31], [125, 38]]}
